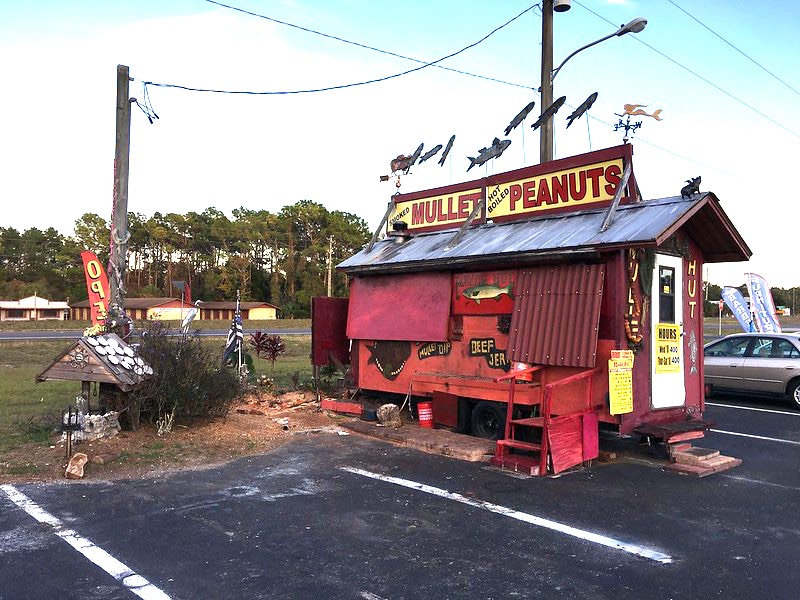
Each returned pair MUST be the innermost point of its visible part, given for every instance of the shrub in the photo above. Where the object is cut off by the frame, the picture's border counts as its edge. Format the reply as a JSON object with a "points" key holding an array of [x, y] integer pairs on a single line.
{"points": [[188, 380], [267, 346]]}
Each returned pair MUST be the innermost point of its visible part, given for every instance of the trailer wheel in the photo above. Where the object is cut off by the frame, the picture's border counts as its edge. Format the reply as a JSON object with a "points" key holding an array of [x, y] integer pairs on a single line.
{"points": [[488, 420]]}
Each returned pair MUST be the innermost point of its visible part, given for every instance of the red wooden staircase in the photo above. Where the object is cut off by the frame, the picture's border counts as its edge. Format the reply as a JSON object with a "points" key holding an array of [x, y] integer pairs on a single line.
{"points": [[564, 439]]}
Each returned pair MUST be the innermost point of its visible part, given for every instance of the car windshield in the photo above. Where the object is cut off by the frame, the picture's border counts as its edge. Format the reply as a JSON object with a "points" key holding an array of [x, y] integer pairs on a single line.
{"points": [[728, 347]]}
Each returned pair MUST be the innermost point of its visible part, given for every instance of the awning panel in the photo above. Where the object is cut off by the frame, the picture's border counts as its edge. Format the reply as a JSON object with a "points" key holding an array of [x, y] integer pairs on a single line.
{"points": [[410, 307]]}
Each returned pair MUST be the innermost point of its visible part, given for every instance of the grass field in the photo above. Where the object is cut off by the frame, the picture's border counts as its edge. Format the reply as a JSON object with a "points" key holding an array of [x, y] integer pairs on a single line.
{"points": [[248, 325], [29, 411]]}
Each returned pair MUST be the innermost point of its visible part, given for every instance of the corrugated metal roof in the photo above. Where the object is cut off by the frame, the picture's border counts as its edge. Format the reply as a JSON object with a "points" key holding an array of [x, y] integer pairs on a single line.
{"points": [[556, 314], [643, 224]]}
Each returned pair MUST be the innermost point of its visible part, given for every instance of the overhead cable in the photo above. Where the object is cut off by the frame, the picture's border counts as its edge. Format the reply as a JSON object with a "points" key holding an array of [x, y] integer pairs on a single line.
{"points": [[347, 85], [752, 60], [685, 68]]}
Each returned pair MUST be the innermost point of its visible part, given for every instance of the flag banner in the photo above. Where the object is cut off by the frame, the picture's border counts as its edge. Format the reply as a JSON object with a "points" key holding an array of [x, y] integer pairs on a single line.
{"points": [[235, 338], [96, 286], [763, 306], [735, 302], [184, 288]]}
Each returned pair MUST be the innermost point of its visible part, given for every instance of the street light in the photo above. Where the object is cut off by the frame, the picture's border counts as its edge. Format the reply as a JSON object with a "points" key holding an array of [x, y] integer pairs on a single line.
{"points": [[548, 73]]}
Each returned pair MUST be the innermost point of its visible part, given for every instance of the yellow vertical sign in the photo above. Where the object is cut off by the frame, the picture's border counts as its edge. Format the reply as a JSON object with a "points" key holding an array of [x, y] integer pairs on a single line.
{"points": [[620, 382], [668, 348]]}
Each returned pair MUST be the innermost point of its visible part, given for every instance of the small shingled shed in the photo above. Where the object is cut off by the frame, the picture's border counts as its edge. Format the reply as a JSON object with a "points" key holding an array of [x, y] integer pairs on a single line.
{"points": [[104, 359]]}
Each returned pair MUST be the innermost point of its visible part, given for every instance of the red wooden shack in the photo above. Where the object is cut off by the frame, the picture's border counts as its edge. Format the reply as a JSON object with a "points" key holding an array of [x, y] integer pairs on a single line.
{"points": [[537, 306]]}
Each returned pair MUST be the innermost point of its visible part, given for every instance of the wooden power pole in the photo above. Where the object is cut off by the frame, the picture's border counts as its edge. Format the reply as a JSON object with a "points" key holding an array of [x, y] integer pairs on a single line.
{"points": [[330, 265], [119, 214]]}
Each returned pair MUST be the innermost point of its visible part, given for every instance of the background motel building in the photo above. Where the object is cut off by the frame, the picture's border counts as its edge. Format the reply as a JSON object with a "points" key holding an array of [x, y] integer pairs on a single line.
{"points": [[173, 309], [33, 308]]}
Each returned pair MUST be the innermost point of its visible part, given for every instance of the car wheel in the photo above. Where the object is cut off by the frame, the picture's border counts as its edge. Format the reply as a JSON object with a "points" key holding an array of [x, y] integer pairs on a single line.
{"points": [[488, 420], [794, 393]]}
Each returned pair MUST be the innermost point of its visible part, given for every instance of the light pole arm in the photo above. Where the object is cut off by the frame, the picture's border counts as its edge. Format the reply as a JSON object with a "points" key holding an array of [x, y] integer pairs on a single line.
{"points": [[581, 49]]}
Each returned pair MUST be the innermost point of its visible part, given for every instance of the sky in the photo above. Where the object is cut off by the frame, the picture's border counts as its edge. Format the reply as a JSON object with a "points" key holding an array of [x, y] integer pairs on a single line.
{"points": [[724, 76]]}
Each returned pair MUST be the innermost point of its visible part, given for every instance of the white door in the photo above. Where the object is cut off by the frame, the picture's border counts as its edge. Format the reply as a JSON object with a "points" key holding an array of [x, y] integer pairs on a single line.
{"points": [[668, 388]]}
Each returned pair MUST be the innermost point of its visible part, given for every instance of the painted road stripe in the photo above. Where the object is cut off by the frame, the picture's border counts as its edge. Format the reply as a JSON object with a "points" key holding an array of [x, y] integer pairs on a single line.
{"points": [[757, 437], [128, 578], [520, 516], [766, 410]]}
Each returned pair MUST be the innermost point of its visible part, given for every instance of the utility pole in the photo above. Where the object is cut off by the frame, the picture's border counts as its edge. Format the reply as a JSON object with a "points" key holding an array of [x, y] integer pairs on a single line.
{"points": [[330, 264], [546, 130], [119, 213]]}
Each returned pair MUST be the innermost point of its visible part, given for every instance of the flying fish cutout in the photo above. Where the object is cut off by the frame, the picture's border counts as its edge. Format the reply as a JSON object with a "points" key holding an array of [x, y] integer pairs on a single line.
{"points": [[636, 109]]}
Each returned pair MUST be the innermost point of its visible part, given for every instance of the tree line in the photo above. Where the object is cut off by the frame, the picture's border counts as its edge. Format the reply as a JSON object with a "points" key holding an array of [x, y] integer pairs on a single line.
{"points": [[284, 259]]}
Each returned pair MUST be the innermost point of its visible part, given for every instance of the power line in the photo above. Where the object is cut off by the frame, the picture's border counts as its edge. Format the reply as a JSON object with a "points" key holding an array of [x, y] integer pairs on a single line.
{"points": [[373, 48], [752, 60], [685, 68], [425, 64], [343, 86]]}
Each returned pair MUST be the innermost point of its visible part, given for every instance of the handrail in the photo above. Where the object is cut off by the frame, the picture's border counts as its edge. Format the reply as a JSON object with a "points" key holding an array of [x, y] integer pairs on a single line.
{"points": [[573, 377], [515, 374]]}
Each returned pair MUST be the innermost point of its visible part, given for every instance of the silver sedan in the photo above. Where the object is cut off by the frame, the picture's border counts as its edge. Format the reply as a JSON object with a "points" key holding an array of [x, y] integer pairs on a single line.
{"points": [[754, 363]]}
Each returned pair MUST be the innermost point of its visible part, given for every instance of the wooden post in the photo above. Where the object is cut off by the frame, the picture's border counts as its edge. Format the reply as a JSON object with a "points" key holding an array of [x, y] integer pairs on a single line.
{"points": [[119, 215], [546, 130]]}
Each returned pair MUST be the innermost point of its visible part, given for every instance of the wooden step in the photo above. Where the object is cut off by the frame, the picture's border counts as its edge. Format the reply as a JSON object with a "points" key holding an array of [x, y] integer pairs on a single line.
{"points": [[529, 422], [517, 463], [520, 445]]}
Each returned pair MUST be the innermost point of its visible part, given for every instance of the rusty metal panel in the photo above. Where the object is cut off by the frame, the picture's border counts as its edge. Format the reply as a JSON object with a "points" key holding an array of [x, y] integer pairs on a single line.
{"points": [[556, 315]]}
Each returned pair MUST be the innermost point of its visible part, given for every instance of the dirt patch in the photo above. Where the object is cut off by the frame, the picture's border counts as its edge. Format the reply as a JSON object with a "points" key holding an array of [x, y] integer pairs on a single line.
{"points": [[252, 427]]}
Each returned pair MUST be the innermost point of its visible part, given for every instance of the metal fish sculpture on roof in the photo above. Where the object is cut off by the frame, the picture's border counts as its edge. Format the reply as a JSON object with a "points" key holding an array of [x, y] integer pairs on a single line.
{"points": [[494, 151], [447, 149], [430, 153], [404, 163], [520, 117], [578, 113], [636, 109], [549, 112]]}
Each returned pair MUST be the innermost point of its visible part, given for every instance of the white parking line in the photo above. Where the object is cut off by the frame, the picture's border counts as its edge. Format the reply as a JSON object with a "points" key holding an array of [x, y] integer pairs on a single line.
{"points": [[766, 410], [128, 578], [520, 516], [757, 437]]}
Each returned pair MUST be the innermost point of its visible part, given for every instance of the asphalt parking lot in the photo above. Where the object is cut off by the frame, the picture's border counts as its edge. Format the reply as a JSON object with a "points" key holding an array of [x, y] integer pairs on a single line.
{"points": [[333, 516]]}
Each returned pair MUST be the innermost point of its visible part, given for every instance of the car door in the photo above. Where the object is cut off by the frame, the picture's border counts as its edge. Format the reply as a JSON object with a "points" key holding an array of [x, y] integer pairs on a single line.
{"points": [[770, 363], [723, 360]]}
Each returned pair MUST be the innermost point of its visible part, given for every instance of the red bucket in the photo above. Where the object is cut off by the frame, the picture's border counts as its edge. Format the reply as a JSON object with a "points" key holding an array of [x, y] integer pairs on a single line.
{"points": [[425, 414]]}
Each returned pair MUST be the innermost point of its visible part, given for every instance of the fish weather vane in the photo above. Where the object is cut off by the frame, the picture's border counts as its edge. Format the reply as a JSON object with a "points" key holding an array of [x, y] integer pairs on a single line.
{"points": [[629, 110]]}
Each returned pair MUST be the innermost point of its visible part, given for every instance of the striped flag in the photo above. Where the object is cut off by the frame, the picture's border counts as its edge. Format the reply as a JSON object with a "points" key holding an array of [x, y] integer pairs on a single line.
{"points": [[235, 339]]}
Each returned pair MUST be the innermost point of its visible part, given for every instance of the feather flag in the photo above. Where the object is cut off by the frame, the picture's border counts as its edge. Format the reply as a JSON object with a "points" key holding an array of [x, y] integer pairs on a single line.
{"points": [[235, 338], [762, 303], [737, 305]]}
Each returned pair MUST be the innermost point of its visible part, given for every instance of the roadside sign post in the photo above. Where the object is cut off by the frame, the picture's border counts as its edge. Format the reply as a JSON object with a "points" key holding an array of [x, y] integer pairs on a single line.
{"points": [[721, 304]]}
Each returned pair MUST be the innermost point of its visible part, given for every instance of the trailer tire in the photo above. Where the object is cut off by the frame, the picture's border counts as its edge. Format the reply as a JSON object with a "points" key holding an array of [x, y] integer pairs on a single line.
{"points": [[488, 420]]}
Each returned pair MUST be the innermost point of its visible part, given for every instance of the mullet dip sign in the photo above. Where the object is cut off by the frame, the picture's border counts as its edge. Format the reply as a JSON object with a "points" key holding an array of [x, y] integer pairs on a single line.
{"points": [[575, 183]]}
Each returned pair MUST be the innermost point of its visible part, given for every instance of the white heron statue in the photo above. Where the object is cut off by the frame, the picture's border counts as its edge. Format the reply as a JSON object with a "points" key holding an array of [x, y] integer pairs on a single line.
{"points": [[187, 320]]}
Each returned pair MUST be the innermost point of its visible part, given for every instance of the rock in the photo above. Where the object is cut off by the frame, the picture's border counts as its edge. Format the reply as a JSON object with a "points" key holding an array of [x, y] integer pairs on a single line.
{"points": [[389, 415], [105, 458], [75, 466], [96, 427]]}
